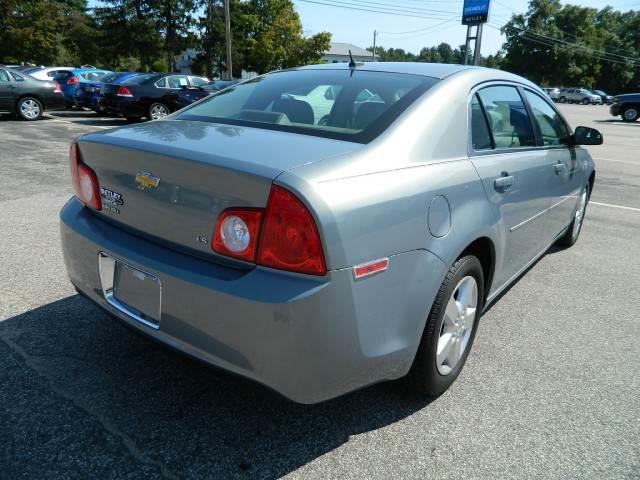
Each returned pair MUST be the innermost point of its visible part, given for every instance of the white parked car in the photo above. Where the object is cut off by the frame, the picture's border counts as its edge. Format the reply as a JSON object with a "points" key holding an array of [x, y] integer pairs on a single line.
{"points": [[47, 73]]}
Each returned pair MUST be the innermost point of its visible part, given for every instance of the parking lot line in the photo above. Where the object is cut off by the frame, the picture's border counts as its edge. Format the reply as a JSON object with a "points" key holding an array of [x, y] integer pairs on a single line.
{"points": [[615, 160], [615, 206]]}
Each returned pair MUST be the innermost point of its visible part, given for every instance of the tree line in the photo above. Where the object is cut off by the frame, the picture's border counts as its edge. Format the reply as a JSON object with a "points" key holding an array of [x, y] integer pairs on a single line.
{"points": [[551, 44], [147, 35]]}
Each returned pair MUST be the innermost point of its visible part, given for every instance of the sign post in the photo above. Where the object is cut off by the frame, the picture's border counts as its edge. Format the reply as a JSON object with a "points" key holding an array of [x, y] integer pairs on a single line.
{"points": [[474, 14]]}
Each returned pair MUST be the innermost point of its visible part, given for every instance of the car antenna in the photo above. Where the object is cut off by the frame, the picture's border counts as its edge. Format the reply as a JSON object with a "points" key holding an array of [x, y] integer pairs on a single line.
{"points": [[352, 63]]}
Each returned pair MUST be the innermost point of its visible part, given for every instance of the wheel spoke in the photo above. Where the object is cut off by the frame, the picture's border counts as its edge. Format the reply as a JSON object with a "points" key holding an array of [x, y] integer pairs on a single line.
{"points": [[445, 343], [469, 318], [454, 354], [451, 314]]}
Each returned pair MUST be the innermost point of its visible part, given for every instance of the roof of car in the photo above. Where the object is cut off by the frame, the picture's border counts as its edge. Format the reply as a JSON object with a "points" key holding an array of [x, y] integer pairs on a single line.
{"points": [[434, 70]]}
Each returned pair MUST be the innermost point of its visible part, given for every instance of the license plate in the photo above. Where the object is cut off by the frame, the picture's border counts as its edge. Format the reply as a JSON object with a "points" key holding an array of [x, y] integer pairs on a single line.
{"points": [[130, 290]]}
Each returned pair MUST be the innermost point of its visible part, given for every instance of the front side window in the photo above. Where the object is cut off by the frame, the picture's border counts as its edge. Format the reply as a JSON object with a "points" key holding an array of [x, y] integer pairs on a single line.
{"points": [[198, 81], [552, 128], [354, 105], [508, 118]]}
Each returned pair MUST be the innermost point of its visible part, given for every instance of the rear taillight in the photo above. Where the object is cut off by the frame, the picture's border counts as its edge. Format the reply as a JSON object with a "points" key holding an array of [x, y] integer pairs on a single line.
{"points": [[84, 180], [57, 88], [284, 236], [73, 80], [124, 92], [290, 239]]}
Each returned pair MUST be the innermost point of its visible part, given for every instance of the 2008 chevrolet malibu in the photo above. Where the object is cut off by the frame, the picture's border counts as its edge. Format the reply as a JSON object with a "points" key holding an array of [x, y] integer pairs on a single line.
{"points": [[325, 228]]}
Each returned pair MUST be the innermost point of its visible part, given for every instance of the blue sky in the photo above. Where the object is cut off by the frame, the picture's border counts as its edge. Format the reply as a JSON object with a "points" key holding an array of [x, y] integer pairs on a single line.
{"points": [[352, 26]]}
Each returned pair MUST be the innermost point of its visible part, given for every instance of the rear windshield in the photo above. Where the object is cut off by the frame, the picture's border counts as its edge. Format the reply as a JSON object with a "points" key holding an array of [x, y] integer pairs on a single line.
{"points": [[353, 105], [93, 76]]}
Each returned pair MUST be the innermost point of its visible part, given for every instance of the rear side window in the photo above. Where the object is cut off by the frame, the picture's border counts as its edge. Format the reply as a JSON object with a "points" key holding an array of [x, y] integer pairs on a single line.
{"points": [[177, 82], [552, 128], [480, 136], [4, 76], [16, 77], [508, 118], [162, 83], [198, 81]]}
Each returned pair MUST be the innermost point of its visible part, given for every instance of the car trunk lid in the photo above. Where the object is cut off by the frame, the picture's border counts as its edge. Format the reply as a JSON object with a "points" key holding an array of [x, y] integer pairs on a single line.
{"points": [[169, 180]]}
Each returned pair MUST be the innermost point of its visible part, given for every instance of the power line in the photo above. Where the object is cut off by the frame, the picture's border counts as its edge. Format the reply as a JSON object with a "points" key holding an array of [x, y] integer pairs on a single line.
{"points": [[390, 11], [418, 30]]}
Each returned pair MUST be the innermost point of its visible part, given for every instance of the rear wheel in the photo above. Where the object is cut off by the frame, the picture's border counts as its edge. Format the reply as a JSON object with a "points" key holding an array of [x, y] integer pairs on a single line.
{"points": [[585, 101], [450, 328], [572, 233], [29, 108], [158, 111], [562, 99], [631, 114]]}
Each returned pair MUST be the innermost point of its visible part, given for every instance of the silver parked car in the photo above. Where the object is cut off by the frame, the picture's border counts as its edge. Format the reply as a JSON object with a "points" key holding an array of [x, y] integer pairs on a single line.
{"points": [[578, 95], [321, 246]]}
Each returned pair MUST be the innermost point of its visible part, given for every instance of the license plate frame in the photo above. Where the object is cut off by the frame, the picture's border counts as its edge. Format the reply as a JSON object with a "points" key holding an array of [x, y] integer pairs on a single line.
{"points": [[130, 290]]}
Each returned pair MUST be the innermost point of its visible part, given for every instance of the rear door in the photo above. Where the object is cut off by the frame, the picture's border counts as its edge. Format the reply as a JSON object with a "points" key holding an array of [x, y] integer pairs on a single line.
{"points": [[568, 175], [515, 174], [7, 91]]}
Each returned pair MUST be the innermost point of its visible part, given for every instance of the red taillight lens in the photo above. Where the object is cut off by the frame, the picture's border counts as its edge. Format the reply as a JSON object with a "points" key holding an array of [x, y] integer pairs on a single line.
{"points": [[57, 88], [73, 80], [236, 233], [290, 239], [84, 180], [124, 92]]}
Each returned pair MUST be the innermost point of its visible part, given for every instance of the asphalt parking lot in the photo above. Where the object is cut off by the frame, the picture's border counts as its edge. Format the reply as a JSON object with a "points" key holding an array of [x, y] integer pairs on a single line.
{"points": [[551, 388]]}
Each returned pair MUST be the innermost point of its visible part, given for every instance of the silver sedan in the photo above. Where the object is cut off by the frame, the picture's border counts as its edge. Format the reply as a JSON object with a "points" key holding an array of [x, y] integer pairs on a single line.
{"points": [[324, 228]]}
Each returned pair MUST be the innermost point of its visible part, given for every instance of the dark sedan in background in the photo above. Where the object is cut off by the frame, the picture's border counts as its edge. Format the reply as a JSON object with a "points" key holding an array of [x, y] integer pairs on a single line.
{"points": [[151, 95], [87, 95], [605, 98], [626, 106], [26, 96]]}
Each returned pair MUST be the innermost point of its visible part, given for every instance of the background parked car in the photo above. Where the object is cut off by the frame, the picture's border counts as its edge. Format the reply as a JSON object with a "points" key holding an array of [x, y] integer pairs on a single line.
{"points": [[604, 97], [26, 96], [87, 94], [627, 106], [49, 73], [217, 85], [79, 75], [578, 95], [151, 95], [553, 93]]}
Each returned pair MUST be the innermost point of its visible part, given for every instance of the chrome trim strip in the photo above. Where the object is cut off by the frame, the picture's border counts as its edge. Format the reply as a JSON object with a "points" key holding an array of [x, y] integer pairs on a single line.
{"points": [[106, 271], [522, 224]]}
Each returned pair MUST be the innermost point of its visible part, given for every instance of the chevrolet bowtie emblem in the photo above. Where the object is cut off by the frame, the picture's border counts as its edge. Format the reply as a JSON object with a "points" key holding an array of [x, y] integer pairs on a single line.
{"points": [[146, 180]]}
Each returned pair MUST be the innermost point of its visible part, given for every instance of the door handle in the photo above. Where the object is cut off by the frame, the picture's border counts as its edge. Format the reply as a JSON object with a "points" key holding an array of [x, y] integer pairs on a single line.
{"points": [[559, 168], [503, 183]]}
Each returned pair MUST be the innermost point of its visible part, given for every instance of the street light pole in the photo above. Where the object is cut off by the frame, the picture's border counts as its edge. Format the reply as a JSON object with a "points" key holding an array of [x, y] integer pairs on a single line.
{"points": [[375, 34], [227, 32]]}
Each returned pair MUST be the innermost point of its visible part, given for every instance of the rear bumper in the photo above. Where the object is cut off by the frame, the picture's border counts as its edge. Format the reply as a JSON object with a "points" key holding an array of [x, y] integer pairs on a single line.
{"points": [[310, 339], [87, 100], [54, 101], [122, 107]]}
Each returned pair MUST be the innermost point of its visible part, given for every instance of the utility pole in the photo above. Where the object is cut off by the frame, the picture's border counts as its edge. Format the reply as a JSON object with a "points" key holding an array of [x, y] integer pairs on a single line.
{"points": [[476, 51], [227, 32], [375, 34]]}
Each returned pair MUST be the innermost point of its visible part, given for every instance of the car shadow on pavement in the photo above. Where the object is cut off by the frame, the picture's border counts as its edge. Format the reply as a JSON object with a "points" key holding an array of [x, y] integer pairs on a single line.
{"points": [[80, 388], [618, 122]]}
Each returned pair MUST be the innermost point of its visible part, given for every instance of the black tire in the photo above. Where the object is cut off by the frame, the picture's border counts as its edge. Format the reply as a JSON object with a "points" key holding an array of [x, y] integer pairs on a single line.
{"points": [[630, 114], [424, 375], [562, 99], [570, 237], [29, 109], [585, 101]]}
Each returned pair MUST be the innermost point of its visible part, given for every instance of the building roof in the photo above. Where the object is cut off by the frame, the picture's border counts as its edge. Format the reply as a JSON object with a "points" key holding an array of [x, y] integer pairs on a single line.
{"points": [[343, 49]]}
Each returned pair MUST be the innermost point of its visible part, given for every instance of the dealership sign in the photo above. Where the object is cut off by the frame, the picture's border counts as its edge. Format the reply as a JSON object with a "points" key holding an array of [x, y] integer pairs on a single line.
{"points": [[475, 12]]}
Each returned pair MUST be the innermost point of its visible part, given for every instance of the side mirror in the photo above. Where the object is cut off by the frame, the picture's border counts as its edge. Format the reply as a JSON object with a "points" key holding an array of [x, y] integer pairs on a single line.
{"points": [[587, 136]]}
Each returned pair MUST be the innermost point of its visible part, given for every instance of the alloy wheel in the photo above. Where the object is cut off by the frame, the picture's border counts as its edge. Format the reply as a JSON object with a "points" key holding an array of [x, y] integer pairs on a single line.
{"points": [[457, 325], [631, 114], [579, 216], [30, 109], [158, 111]]}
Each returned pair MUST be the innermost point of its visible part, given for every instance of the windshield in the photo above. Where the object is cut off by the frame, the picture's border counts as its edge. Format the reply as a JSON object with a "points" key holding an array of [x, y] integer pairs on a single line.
{"points": [[353, 105]]}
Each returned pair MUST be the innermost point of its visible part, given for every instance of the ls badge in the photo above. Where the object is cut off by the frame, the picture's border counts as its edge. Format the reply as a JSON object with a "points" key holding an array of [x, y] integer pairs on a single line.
{"points": [[146, 180]]}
